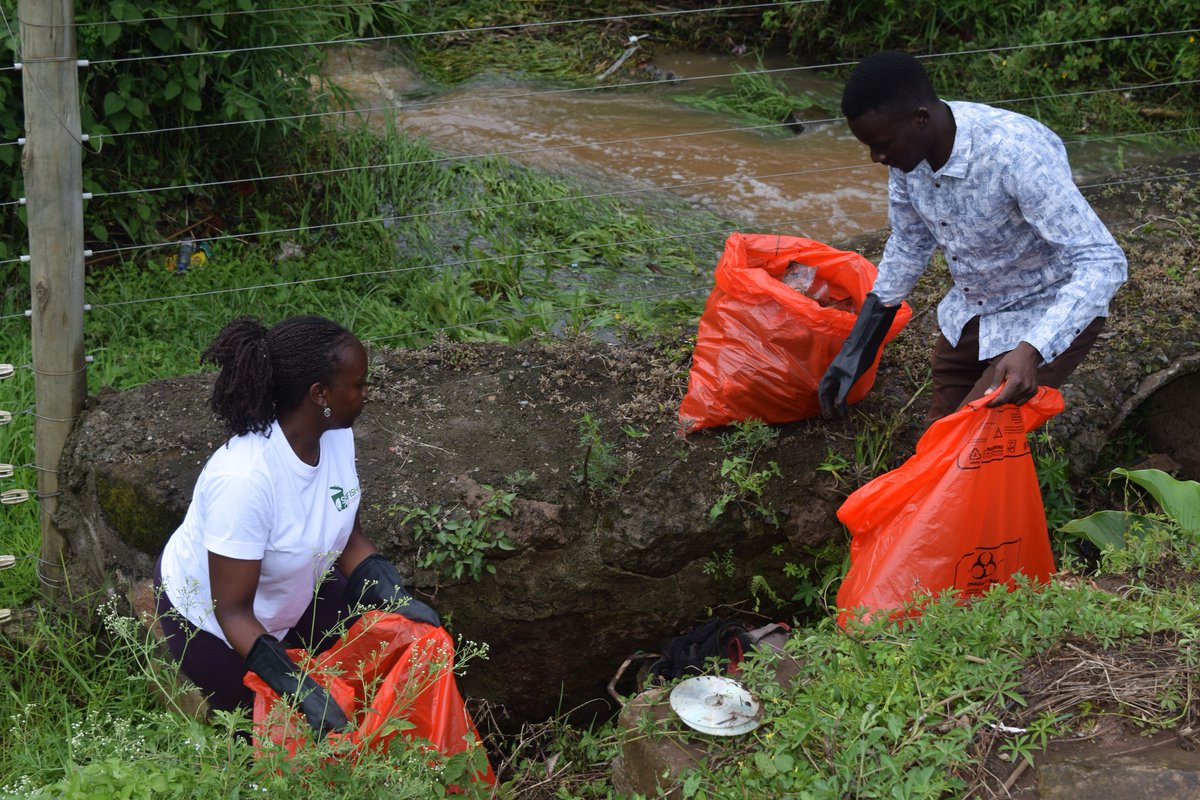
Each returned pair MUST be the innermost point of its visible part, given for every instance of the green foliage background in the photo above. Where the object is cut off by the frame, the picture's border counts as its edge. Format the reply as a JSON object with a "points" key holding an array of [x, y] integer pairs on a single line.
{"points": [[148, 71]]}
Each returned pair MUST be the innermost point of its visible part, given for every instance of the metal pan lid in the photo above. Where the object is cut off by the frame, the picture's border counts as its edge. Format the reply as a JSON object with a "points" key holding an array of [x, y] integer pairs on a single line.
{"points": [[715, 705]]}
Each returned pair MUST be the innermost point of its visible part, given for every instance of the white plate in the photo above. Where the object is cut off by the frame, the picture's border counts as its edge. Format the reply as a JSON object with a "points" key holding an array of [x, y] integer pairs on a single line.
{"points": [[715, 705]]}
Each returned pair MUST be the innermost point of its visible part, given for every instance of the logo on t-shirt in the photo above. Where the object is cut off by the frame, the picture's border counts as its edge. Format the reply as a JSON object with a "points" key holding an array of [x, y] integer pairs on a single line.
{"points": [[341, 498]]}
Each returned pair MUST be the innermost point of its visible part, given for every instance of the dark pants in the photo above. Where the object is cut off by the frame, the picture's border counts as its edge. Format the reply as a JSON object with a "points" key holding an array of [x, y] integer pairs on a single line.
{"points": [[217, 669], [960, 377]]}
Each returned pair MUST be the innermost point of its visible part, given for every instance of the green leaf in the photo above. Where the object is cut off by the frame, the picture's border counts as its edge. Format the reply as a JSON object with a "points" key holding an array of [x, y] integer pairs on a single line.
{"points": [[1108, 529], [120, 121], [113, 103], [110, 33], [1180, 500], [163, 38], [172, 89], [718, 508], [191, 101]]}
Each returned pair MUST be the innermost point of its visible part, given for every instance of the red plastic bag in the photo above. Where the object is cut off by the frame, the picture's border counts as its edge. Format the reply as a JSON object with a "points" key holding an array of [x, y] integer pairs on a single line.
{"points": [[385, 666], [763, 345], [965, 512]]}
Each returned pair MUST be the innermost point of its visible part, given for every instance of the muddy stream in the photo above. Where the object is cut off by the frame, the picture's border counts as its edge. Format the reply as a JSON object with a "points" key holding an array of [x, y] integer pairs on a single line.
{"points": [[817, 182]]}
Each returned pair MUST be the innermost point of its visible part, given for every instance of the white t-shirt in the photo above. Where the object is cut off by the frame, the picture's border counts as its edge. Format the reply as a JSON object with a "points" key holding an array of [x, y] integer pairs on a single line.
{"points": [[256, 500]]}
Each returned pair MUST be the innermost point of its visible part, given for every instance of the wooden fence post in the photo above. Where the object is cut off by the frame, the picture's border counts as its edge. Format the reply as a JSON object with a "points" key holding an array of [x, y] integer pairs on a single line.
{"points": [[53, 171]]}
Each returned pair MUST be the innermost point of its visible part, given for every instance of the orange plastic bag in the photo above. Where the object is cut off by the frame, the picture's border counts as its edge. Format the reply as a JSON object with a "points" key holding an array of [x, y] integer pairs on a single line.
{"points": [[385, 666], [964, 513], [762, 345]]}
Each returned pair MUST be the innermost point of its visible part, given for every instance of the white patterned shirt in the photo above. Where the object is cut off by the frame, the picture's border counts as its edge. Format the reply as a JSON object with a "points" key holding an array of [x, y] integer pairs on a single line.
{"points": [[1028, 255]]}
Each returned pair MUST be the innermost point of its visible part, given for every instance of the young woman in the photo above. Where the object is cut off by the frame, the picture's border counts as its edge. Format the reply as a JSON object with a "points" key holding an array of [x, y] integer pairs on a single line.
{"points": [[271, 549]]}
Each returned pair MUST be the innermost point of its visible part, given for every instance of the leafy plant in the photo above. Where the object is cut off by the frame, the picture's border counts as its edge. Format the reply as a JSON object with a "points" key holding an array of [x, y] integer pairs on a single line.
{"points": [[719, 565], [1054, 478], [742, 448], [1035, 737], [1024, 49], [152, 72], [803, 585], [602, 469], [836, 465], [519, 478], [872, 445], [457, 546], [825, 567], [1110, 530]]}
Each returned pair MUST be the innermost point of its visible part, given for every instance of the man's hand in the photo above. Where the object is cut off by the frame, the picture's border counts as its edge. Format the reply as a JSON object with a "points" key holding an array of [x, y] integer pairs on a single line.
{"points": [[1017, 370]]}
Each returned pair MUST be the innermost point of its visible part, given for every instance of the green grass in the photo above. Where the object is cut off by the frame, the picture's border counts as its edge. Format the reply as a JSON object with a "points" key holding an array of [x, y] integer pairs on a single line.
{"points": [[757, 99], [90, 726], [899, 708]]}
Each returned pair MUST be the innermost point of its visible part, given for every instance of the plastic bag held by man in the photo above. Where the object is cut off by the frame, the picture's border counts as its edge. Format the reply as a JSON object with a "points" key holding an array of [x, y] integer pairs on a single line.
{"points": [[385, 668], [777, 315], [964, 513]]}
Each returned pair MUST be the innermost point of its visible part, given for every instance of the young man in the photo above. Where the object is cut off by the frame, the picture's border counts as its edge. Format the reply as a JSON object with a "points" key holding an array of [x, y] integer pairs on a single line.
{"points": [[1033, 266]]}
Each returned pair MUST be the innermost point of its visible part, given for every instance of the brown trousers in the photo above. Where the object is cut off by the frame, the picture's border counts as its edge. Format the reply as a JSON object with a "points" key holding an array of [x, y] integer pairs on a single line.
{"points": [[960, 377]]}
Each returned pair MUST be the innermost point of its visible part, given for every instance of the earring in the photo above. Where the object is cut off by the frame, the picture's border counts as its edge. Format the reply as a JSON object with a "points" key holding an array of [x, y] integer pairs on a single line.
{"points": [[327, 411]]}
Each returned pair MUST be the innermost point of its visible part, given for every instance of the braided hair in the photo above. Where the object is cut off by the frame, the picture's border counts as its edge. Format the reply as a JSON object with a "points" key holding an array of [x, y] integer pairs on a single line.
{"points": [[268, 372], [886, 82]]}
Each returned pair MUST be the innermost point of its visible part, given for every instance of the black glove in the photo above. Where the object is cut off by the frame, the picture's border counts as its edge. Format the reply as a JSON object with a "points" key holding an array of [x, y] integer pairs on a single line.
{"points": [[268, 658], [857, 355], [376, 583]]}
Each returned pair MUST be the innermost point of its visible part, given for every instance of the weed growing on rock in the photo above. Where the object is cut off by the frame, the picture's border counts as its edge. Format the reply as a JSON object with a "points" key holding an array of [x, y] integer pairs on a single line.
{"points": [[746, 484], [602, 470], [457, 547], [720, 565], [872, 445]]}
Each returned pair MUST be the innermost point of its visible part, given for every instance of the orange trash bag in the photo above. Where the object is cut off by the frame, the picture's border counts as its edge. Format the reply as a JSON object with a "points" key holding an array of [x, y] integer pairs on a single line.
{"points": [[779, 311], [964, 513], [384, 667]]}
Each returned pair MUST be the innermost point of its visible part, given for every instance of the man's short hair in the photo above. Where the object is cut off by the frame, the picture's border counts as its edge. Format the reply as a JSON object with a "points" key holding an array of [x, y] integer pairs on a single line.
{"points": [[886, 82]]}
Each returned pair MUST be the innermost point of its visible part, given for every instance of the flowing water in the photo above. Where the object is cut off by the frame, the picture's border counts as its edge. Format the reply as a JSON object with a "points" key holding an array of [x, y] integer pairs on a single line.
{"points": [[818, 183]]}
